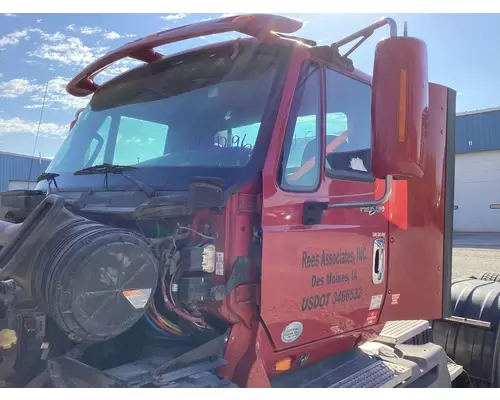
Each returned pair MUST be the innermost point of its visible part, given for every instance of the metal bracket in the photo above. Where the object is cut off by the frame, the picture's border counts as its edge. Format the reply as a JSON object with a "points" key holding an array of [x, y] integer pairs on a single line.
{"points": [[313, 210], [364, 34], [240, 274], [371, 203]]}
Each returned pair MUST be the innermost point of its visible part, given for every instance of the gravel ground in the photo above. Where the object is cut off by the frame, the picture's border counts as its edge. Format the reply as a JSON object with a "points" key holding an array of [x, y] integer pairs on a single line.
{"points": [[475, 253]]}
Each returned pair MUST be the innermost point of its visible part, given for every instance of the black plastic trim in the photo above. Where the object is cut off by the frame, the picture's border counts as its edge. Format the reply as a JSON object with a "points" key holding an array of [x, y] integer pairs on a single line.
{"points": [[350, 176]]}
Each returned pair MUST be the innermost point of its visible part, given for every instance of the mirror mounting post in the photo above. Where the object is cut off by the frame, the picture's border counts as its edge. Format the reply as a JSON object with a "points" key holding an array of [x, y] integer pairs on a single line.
{"points": [[364, 34]]}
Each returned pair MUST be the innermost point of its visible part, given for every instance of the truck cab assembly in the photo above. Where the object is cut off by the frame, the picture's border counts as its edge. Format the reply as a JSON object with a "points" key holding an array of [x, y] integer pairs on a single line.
{"points": [[253, 213]]}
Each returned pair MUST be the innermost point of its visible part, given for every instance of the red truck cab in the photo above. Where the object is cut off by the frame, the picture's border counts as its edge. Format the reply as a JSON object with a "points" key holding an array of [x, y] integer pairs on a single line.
{"points": [[326, 196]]}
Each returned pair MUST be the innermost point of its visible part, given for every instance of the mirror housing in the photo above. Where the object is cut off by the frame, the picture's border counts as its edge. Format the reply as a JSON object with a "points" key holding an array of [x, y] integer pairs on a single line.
{"points": [[399, 107]]}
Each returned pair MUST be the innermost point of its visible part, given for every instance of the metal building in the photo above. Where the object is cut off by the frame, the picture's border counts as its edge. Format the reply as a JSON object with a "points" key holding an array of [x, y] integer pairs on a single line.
{"points": [[15, 171], [477, 171]]}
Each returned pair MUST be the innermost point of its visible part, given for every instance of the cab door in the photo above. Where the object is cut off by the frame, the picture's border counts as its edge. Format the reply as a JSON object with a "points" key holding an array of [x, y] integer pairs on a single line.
{"points": [[323, 271]]}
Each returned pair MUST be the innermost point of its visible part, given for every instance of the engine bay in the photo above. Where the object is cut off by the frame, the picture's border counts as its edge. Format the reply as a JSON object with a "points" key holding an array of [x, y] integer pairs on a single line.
{"points": [[108, 290]]}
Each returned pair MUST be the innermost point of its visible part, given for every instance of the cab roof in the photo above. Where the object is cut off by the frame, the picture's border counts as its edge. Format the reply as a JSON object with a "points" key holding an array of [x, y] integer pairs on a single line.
{"points": [[262, 27], [259, 27]]}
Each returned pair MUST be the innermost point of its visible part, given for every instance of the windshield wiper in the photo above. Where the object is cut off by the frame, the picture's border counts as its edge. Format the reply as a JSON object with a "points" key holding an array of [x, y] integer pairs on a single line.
{"points": [[50, 177], [117, 169], [105, 169]]}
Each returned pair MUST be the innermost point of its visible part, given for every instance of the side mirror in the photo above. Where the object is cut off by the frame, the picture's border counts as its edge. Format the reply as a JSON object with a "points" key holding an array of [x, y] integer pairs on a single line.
{"points": [[399, 107], [77, 114]]}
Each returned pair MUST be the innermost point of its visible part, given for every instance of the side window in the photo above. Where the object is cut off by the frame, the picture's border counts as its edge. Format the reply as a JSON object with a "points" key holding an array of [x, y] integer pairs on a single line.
{"points": [[348, 127], [138, 141], [300, 168]]}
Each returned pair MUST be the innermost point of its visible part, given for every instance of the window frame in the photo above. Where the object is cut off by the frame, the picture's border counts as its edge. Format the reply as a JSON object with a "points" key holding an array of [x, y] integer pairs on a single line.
{"points": [[305, 68], [355, 176]]}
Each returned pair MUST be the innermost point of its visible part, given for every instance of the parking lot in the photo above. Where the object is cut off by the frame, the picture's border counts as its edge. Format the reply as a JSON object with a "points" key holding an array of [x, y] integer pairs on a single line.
{"points": [[475, 253]]}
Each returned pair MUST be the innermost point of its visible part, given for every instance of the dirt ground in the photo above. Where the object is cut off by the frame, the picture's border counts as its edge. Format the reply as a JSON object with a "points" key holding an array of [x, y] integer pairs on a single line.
{"points": [[475, 253]]}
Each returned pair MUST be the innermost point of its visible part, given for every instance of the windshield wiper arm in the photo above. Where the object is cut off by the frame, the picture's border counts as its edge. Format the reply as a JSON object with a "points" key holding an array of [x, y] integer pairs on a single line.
{"points": [[49, 177], [117, 169]]}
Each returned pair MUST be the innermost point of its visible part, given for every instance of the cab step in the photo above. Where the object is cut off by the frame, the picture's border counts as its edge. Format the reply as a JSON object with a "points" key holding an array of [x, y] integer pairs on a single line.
{"points": [[455, 370], [397, 332], [381, 374]]}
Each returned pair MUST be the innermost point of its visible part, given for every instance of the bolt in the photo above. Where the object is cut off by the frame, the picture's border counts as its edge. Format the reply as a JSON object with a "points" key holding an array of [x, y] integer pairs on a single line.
{"points": [[302, 360]]}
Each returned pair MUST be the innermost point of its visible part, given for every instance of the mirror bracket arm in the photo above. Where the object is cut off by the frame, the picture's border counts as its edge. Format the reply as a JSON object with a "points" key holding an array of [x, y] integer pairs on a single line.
{"points": [[371, 203], [313, 210]]}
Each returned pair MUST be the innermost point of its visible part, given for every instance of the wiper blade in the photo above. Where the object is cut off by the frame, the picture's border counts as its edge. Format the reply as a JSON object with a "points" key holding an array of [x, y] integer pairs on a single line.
{"points": [[117, 169], [105, 169]]}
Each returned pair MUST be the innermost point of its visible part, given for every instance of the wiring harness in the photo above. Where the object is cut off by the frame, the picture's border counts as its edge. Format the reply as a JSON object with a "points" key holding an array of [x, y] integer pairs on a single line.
{"points": [[166, 315]]}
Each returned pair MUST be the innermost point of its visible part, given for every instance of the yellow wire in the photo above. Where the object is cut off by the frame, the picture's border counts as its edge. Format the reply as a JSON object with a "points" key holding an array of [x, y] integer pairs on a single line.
{"points": [[162, 325], [168, 323]]}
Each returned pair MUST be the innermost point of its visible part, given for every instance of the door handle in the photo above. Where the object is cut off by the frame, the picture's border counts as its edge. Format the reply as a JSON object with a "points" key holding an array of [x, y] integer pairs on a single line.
{"points": [[378, 270]]}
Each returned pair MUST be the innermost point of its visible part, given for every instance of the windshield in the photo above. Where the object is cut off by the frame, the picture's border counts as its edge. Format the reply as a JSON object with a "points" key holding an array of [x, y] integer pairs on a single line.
{"points": [[196, 115]]}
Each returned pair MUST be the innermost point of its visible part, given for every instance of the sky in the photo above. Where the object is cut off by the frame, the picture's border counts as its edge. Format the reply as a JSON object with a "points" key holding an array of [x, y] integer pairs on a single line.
{"points": [[39, 51]]}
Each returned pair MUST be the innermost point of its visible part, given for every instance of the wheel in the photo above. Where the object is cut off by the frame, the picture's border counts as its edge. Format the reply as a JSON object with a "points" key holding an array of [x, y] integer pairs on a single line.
{"points": [[475, 347]]}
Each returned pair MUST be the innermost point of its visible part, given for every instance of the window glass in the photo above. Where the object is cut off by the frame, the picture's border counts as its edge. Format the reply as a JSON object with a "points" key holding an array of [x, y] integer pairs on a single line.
{"points": [[192, 99], [138, 141], [300, 166], [348, 125], [242, 136], [96, 148]]}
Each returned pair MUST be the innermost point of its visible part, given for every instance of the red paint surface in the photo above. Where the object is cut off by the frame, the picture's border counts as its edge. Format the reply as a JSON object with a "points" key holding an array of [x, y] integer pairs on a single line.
{"points": [[252, 356], [417, 227], [413, 218], [372, 317], [390, 155], [257, 25], [285, 284]]}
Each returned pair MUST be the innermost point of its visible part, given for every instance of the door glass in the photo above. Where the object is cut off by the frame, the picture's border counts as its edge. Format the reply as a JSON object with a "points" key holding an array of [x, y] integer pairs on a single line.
{"points": [[348, 126], [300, 168]]}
